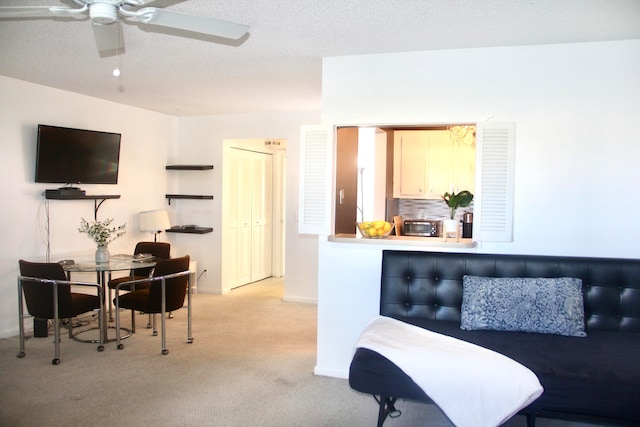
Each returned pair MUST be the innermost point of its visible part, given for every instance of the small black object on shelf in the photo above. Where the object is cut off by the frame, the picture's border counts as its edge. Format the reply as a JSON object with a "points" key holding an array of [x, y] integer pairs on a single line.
{"points": [[190, 229]]}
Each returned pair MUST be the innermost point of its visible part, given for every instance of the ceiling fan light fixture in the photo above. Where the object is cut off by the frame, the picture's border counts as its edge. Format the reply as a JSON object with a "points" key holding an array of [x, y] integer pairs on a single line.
{"points": [[103, 13]]}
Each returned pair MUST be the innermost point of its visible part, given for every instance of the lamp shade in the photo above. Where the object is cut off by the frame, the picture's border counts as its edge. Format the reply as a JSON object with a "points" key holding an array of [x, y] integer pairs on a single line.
{"points": [[154, 221]]}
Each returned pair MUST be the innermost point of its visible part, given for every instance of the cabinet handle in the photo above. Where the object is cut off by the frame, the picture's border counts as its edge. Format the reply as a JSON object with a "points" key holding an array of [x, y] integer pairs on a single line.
{"points": [[341, 196]]}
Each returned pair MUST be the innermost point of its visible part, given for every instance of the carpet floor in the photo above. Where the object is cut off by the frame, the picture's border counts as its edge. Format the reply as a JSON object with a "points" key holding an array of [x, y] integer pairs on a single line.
{"points": [[251, 364]]}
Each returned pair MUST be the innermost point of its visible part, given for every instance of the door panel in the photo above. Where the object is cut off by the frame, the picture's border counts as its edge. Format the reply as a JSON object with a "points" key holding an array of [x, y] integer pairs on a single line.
{"points": [[346, 180]]}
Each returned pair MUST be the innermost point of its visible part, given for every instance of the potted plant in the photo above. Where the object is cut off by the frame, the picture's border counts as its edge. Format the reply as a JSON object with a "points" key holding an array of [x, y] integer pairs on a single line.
{"points": [[102, 234], [455, 201]]}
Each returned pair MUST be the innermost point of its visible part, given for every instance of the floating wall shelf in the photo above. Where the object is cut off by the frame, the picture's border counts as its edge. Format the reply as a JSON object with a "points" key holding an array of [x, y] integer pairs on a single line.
{"points": [[189, 167], [95, 199], [188, 196], [190, 230]]}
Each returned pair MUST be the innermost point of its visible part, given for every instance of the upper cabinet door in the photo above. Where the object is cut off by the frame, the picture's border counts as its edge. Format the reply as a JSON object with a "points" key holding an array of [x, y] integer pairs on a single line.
{"points": [[441, 168], [423, 166], [411, 151], [464, 165]]}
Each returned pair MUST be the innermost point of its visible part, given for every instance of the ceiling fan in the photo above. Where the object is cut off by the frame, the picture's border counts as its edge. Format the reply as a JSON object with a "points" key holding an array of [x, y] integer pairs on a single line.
{"points": [[105, 16]]}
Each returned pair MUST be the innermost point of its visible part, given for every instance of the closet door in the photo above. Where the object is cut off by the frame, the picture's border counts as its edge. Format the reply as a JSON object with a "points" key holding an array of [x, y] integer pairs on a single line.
{"points": [[239, 219], [261, 215]]}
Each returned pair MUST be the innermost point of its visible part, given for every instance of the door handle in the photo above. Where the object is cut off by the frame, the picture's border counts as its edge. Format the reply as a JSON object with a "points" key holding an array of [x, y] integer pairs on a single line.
{"points": [[341, 196]]}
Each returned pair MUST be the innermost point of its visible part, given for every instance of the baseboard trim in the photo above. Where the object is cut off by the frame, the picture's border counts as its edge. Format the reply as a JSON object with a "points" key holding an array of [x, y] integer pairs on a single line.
{"points": [[335, 373], [305, 300]]}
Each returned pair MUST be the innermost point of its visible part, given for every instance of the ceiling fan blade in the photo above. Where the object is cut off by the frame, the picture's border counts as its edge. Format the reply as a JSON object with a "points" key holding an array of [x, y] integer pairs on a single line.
{"points": [[13, 12], [196, 24], [109, 38], [139, 2]]}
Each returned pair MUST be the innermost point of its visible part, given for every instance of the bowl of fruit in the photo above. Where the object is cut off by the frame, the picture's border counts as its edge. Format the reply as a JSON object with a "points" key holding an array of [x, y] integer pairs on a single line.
{"points": [[374, 229]]}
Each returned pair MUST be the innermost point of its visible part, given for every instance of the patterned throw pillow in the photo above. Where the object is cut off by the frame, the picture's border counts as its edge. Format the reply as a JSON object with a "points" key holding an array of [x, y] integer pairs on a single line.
{"points": [[543, 305]]}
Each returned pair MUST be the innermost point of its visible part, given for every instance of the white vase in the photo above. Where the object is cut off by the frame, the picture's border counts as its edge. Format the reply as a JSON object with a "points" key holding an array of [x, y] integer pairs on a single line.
{"points": [[451, 228], [102, 255]]}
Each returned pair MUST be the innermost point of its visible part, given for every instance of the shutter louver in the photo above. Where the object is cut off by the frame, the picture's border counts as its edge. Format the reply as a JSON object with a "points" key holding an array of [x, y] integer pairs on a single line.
{"points": [[493, 212], [316, 153]]}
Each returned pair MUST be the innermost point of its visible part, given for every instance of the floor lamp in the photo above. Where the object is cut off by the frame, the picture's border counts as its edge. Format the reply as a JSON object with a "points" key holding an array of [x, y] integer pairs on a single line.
{"points": [[155, 222]]}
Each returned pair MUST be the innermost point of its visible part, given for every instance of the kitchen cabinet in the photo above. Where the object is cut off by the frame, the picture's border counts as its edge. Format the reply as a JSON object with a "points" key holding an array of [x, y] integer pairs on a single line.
{"points": [[428, 164], [464, 167], [411, 155]]}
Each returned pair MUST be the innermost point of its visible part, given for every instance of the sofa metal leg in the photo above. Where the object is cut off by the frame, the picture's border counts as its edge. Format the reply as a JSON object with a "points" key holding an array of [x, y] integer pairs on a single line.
{"points": [[531, 420], [386, 408]]}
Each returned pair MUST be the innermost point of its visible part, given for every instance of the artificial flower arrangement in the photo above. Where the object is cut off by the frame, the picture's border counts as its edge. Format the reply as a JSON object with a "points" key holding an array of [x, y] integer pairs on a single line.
{"points": [[101, 232]]}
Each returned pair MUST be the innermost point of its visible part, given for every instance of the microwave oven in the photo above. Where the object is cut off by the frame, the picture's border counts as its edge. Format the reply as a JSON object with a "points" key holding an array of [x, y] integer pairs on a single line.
{"points": [[422, 227]]}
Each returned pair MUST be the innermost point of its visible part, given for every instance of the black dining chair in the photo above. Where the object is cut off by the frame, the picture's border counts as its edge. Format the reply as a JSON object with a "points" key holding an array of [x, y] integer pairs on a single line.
{"points": [[166, 291], [160, 251], [47, 295]]}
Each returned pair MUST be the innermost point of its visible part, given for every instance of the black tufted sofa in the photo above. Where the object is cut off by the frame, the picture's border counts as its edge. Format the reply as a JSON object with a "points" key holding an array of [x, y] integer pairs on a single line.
{"points": [[594, 378]]}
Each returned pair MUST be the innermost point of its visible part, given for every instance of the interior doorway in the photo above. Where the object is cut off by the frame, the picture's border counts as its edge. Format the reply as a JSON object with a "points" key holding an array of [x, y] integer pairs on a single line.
{"points": [[253, 200]]}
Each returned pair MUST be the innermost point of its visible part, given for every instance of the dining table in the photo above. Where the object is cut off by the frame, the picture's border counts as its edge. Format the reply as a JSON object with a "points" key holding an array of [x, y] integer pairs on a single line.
{"points": [[119, 262]]}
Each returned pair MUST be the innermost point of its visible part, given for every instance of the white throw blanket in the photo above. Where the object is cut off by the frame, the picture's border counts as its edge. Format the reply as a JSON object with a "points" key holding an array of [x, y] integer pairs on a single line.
{"points": [[472, 385]]}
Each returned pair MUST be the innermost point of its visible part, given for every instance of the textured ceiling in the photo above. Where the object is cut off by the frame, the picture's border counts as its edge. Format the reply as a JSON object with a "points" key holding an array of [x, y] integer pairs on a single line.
{"points": [[278, 67]]}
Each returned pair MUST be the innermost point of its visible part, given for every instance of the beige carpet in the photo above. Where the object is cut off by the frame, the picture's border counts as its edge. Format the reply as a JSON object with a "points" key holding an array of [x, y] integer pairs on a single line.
{"points": [[251, 364]]}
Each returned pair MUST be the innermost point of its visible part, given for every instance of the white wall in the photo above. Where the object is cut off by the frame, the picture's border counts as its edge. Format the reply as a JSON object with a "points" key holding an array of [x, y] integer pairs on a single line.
{"points": [[575, 107], [146, 137], [200, 140], [149, 142]]}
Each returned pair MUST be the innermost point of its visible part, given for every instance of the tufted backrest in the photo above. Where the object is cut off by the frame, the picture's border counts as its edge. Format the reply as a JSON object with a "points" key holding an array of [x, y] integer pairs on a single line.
{"points": [[428, 285]]}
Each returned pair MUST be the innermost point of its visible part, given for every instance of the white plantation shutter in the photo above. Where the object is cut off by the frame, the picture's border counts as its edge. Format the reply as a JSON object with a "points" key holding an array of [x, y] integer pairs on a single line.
{"points": [[493, 206], [316, 177]]}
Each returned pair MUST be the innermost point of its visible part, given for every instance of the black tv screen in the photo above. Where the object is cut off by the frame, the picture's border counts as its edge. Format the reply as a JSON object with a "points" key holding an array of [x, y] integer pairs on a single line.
{"points": [[77, 156]]}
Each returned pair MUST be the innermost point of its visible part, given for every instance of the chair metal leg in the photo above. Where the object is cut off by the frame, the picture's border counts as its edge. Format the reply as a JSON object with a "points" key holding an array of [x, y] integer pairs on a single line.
{"points": [[21, 354], [110, 304], [70, 327], [189, 337], [102, 320], [119, 345], [154, 331], [163, 321], [56, 326]]}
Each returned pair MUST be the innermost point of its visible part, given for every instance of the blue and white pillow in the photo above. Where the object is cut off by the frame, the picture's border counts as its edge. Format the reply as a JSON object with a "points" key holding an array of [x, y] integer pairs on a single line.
{"points": [[542, 305]]}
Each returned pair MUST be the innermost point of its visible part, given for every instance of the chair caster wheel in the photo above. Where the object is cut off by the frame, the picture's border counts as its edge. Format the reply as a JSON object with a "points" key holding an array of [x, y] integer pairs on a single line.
{"points": [[148, 325], [190, 341], [165, 352], [155, 334], [100, 348], [20, 355], [55, 361], [120, 346]]}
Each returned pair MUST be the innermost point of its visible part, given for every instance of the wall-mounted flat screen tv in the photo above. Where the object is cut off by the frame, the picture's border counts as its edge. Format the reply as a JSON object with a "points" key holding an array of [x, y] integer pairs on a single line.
{"points": [[77, 156]]}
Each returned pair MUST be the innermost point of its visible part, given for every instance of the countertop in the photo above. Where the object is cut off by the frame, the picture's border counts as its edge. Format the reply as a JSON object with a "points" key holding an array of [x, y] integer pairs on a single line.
{"points": [[404, 241]]}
